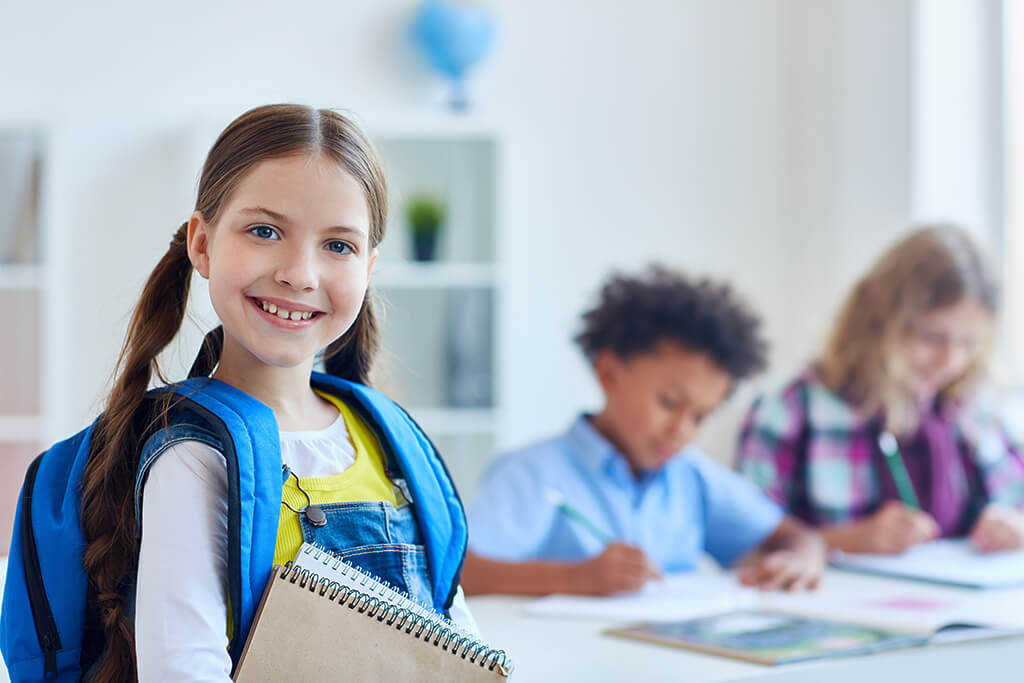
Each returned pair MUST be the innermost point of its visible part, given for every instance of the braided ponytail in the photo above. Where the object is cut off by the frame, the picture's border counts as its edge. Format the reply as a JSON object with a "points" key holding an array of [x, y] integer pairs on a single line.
{"points": [[111, 550]]}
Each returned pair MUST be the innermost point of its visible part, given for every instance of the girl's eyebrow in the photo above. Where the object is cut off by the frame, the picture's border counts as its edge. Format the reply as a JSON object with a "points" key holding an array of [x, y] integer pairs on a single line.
{"points": [[346, 229], [263, 210]]}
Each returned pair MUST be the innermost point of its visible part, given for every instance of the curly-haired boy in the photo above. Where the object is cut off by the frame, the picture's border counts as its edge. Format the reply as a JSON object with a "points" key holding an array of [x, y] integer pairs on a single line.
{"points": [[620, 498]]}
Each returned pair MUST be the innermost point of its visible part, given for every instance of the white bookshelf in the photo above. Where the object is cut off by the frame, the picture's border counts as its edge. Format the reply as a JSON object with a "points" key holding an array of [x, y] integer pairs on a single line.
{"points": [[31, 343], [440, 318]]}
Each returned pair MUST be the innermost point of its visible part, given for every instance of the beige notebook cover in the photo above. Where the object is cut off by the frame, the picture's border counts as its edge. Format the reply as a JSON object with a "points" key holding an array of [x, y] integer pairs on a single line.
{"points": [[305, 630]]}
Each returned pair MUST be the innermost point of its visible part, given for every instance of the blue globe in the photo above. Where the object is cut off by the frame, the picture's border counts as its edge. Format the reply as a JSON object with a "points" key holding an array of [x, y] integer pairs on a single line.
{"points": [[453, 37]]}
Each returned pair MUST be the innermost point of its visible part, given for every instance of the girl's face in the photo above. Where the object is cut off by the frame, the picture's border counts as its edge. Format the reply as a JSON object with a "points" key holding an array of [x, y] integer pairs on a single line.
{"points": [[288, 260], [941, 344]]}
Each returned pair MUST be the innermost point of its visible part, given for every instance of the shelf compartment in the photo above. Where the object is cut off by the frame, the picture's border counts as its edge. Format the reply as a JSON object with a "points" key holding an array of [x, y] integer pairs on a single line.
{"points": [[438, 347], [20, 349], [20, 427], [458, 170], [18, 276]]}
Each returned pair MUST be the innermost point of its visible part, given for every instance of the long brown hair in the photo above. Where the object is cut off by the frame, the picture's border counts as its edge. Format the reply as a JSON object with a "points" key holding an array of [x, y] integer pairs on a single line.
{"points": [[108, 520], [932, 268]]}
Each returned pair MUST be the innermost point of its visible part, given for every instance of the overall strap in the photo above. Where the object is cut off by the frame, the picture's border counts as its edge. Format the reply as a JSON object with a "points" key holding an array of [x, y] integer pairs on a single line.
{"points": [[439, 511]]}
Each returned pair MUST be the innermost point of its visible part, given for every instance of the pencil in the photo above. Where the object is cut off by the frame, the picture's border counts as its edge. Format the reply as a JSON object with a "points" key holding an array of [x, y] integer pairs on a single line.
{"points": [[904, 486], [556, 498]]}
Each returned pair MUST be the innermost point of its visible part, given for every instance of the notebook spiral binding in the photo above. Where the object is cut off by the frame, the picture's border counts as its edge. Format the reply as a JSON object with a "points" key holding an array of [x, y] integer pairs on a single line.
{"points": [[420, 621], [365, 578]]}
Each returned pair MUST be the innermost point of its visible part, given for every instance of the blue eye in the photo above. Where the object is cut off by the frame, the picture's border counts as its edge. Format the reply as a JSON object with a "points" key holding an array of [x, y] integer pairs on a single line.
{"points": [[339, 247], [264, 232]]}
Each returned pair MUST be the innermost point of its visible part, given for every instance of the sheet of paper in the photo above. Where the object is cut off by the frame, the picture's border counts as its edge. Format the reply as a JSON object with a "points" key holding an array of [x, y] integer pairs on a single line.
{"points": [[678, 596], [943, 561]]}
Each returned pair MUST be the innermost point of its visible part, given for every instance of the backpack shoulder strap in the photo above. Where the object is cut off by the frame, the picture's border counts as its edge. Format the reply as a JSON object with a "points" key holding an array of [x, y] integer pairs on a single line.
{"points": [[248, 431]]}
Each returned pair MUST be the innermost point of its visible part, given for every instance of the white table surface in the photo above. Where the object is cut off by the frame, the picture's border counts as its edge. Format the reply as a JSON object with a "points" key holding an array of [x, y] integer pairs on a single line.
{"points": [[560, 649], [565, 649]]}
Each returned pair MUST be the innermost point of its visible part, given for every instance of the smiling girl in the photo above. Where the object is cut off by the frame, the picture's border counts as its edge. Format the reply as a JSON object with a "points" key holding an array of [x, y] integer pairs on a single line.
{"points": [[291, 209], [899, 375]]}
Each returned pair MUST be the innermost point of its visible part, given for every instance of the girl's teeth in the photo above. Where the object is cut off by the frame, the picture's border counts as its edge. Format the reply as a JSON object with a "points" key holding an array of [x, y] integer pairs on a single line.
{"points": [[283, 314]]}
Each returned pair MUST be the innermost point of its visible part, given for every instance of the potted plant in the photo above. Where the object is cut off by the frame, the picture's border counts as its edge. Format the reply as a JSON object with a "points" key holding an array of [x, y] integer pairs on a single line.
{"points": [[425, 215]]}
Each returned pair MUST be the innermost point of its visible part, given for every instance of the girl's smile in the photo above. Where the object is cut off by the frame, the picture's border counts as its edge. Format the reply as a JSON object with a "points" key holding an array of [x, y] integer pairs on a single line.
{"points": [[285, 314]]}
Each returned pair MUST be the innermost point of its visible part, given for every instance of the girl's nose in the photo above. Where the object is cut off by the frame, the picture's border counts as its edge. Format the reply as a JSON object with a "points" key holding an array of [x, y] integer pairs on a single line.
{"points": [[297, 272]]}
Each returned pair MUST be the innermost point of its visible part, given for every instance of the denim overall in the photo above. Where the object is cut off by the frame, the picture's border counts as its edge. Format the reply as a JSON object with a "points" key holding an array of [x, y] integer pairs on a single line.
{"points": [[379, 538]]}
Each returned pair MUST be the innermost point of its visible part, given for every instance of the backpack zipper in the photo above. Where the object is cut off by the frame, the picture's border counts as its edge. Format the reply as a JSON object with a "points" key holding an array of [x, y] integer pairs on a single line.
{"points": [[42, 615]]}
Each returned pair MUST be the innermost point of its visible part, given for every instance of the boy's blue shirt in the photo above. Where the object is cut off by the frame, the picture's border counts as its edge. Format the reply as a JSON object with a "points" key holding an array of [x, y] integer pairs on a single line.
{"points": [[692, 505]]}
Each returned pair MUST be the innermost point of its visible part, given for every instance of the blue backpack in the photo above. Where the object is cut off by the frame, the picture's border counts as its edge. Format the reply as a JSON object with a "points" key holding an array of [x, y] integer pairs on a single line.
{"points": [[47, 630]]}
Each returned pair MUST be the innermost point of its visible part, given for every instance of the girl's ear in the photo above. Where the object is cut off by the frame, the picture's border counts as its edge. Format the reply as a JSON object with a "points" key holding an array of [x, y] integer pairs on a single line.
{"points": [[199, 244]]}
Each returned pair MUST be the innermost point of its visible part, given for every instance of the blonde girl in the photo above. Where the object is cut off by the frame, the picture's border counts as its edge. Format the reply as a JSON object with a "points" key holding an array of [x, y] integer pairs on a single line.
{"points": [[899, 375]]}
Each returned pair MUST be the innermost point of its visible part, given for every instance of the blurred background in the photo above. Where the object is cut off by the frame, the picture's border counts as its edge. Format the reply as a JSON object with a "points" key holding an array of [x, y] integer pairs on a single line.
{"points": [[780, 144]]}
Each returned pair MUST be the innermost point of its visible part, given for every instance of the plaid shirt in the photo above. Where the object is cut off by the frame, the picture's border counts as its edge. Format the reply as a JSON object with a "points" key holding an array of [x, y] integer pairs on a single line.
{"points": [[808, 450]]}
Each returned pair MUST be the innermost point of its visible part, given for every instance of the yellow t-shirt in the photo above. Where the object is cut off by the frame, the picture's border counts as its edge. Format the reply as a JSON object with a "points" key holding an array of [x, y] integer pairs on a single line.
{"points": [[364, 480]]}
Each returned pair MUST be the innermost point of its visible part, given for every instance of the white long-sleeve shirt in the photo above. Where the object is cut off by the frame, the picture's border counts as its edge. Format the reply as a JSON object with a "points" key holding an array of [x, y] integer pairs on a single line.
{"points": [[180, 614]]}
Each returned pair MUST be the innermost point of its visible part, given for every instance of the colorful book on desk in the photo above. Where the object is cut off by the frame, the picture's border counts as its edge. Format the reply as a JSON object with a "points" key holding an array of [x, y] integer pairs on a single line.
{"points": [[323, 618], [766, 637], [952, 562]]}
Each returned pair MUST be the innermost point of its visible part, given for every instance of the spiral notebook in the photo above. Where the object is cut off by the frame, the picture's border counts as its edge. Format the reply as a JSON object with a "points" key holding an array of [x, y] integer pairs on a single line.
{"points": [[322, 618]]}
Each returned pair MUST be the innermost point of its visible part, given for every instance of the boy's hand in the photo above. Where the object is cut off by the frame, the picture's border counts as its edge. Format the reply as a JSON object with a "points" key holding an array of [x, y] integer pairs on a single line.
{"points": [[891, 530], [791, 570], [793, 558], [618, 568], [998, 528]]}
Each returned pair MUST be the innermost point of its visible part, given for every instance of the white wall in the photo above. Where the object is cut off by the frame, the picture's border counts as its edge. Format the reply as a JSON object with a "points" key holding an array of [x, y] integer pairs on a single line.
{"points": [[767, 142], [849, 118], [957, 133]]}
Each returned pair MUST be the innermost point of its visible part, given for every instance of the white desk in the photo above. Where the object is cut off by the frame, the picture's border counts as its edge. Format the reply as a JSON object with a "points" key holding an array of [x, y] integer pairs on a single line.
{"points": [[560, 649], [548, 649]]}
